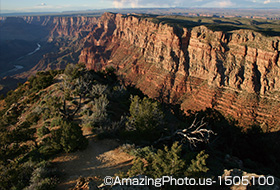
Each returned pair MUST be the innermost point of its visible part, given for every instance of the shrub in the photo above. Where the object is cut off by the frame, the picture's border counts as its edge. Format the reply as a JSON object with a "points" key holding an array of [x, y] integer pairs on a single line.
{"points": [[44, 184], [41, 178], [198, 165], [71, 71], [127, 148], [72, 137], [145, 114], [98, 90], [138, 168], [97, 114], [41, 81], [119, 91], [142, 152], [56, 122], [167, 162], [33, 118], [42, 131], [145, 121], [163, 163]]}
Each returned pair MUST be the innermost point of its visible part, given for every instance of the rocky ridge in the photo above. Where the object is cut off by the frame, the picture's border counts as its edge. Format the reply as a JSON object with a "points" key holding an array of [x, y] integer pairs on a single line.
{"points": [[236, 73]]}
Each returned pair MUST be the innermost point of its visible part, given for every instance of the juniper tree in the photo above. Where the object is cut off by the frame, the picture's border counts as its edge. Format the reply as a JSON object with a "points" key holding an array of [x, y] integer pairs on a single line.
{"points": [[145, 115], [198, 165]]}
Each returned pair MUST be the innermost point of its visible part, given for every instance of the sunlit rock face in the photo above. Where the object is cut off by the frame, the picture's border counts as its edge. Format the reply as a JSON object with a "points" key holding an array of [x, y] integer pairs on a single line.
{"points": [[236, 73]]}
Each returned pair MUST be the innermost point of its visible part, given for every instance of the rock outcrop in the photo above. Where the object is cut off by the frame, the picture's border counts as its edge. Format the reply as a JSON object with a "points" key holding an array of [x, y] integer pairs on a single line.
{"points": [[237, 73]]}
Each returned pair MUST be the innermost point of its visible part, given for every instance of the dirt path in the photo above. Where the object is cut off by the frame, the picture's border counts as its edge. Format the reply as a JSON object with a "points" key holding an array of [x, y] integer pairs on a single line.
{"points": [[101, 158]]}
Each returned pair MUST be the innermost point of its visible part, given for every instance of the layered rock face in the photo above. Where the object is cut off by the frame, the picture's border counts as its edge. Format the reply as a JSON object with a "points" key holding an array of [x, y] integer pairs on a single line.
{"points": [[64, 26], [46, 27], [237, 73]]}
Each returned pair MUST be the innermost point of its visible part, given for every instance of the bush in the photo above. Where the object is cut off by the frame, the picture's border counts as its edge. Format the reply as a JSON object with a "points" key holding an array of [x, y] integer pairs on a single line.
{"points": [[167, 162], [145, 114], [33, 118], [44, 184], [145, 121], [41, 178], [71, 71], [72, 138], [56, 122], [97, 115], [198, 165], [118, 92], [41, 81], [42, 131], [163, 163], [98, 90]]}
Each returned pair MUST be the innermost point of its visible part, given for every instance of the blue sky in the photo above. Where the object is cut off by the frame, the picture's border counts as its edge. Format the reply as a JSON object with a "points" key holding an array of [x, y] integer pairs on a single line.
{"points": [[67, 5]]}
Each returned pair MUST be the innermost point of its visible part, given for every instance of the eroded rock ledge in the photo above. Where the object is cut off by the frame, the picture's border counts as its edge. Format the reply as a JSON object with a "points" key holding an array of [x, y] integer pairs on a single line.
{"points": [[237, 73]]}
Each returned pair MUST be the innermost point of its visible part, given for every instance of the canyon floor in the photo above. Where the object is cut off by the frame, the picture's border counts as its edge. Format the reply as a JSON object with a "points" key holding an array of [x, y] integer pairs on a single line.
{"points": [[101, 158]]}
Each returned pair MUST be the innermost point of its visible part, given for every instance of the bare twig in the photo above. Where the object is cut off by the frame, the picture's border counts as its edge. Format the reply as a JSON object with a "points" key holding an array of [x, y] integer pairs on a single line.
{"points": [[196, 133]]}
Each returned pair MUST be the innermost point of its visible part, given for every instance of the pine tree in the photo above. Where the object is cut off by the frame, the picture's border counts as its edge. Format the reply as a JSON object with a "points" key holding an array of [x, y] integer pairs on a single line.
{"points": [[145, 114], [137, 168], [168, 162], [72, 137], [198, 165]]}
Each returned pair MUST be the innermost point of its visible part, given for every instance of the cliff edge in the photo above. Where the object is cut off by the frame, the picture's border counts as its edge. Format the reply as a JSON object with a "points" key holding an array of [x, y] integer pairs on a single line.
{"points": [[236, 72]]}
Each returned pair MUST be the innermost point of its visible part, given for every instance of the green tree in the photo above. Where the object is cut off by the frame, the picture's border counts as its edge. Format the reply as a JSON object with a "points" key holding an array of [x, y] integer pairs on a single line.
{"points": [[72, 137], [41, 80], [138, 168], [145, 115], [42, 131], [72, 71], [167, 162], [198, 165], [163, 163]]}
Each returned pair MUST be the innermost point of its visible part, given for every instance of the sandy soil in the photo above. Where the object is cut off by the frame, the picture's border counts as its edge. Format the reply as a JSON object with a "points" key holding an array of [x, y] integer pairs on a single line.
{"points": [[101, 158]]}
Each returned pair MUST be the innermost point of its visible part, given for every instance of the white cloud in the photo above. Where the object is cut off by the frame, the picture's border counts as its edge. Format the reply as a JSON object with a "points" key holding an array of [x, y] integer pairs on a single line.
{"points": [[125, 3], [42, 4], [180, 3], [271, 1], [220, 4]]}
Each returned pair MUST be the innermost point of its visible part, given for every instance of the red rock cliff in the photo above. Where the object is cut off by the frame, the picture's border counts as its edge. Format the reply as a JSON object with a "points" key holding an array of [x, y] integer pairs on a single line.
{"points": [[237, 73]]}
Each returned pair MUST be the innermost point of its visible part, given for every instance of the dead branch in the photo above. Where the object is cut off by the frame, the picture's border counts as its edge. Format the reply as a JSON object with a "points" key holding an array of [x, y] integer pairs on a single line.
{"points": [[196, 133]]}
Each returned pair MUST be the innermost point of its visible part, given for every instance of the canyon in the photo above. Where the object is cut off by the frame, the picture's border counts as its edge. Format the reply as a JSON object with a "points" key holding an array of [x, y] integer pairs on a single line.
{"points": [[235, 72]]}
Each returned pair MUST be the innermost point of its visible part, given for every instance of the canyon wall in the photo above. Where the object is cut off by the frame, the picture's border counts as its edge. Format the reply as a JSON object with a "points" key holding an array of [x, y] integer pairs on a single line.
{"points": [[61, 38], [41, 28], [237, 73], [64, 26]]}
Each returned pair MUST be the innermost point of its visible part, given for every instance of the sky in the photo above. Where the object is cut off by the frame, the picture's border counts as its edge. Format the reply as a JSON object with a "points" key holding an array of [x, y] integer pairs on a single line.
{"points": [[71, 5]]}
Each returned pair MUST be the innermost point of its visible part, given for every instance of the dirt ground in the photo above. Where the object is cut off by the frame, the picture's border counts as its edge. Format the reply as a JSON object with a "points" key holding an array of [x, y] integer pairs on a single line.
{"points": [[101, 158]]}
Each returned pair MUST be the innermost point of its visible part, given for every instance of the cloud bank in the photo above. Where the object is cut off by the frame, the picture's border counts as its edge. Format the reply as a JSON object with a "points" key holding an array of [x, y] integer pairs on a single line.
{"points": [[196, 3]]}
